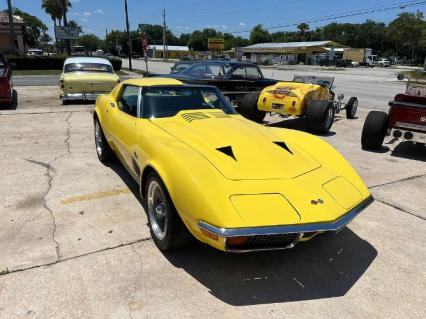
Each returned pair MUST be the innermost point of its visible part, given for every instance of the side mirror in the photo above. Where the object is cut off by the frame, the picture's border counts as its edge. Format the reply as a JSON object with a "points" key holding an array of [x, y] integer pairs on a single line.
{"points": [[341, 96], [401, 76]]}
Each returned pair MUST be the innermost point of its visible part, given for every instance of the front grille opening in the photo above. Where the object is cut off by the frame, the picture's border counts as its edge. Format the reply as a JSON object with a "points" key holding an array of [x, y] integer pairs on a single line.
{"points": [[259, 242]]}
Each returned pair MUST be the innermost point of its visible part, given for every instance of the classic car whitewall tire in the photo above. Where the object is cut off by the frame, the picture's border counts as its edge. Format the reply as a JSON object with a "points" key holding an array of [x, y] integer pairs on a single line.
{"points": [[167, 229], [103, 150]]}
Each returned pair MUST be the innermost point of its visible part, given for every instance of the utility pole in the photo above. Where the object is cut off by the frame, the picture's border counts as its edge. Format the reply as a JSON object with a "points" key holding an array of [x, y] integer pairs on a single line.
{"points": [[64, 11], [164, 36], [128, 35], [11, 27]]}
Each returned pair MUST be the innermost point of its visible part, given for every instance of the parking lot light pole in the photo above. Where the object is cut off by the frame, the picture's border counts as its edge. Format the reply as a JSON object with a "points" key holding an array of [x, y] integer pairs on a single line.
{"points": [[128, 35], [64, 11]]}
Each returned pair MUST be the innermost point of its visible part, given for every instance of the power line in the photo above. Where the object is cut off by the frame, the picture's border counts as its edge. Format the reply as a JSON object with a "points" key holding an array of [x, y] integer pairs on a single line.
{"points": [[401, 5]]}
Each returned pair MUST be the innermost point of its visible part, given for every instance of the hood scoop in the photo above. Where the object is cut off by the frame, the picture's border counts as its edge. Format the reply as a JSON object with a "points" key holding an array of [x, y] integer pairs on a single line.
{"points": [[195, 116], [284, 146], [227, 150]]}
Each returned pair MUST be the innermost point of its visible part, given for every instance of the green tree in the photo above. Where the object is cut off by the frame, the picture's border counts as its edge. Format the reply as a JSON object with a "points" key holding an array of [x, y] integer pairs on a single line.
{"points": [[34, 28], [405, 33], [259, 35], [154, 33], [74, 24], [303, 28], [90, 41]]}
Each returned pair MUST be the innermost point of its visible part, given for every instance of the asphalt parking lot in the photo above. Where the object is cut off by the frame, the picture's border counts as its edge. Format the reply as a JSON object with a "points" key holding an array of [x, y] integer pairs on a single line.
{"points": [[74, 241]]}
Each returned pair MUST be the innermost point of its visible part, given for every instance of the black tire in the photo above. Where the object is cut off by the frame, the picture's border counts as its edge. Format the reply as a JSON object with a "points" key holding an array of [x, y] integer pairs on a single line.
{"points": [[351, 107], [103, 150], [374, 130], [14, 103], [319, 116], [65, 102], [172, 234], [248, 108]]}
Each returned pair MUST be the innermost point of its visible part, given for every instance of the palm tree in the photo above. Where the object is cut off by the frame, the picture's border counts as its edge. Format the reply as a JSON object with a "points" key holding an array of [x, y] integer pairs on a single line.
{"points": [[303, 27], [74, 24], [54, 9]]}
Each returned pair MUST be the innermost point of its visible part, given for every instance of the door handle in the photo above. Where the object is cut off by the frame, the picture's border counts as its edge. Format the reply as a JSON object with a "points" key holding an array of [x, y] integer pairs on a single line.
{"points": [[112, 104]]}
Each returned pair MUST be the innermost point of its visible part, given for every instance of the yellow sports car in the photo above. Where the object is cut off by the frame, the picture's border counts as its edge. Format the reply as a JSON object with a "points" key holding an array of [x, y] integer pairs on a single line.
{"points": [[309, 96], [207, 172], [84, 78]]}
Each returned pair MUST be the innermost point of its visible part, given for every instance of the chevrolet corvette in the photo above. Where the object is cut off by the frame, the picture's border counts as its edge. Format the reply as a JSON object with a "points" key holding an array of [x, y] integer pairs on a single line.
{"points": [[205, 171]]}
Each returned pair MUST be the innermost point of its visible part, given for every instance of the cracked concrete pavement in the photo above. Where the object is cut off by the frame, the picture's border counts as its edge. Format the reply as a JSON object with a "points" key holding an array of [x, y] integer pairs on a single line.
{"points": [[74, 241]]}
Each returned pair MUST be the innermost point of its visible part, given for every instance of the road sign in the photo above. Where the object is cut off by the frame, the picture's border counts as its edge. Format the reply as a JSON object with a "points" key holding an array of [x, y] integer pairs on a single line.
{"points": [[216, 43], [67, 33]]}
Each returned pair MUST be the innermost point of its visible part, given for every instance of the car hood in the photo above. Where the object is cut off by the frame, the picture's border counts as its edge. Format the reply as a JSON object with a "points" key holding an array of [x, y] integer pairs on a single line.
{"points": [[238, 148], [299, 89]]}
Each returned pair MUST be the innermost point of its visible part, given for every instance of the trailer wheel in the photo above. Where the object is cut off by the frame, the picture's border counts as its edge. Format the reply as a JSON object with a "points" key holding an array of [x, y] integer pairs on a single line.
{"points": [[374, 130], [248, 108]]}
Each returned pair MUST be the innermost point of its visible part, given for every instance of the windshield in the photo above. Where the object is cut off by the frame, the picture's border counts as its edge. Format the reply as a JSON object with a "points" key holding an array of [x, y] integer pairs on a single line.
{"points": [[180, 67], [167, 101], [312, 79], [88, 67], [416, 86]]}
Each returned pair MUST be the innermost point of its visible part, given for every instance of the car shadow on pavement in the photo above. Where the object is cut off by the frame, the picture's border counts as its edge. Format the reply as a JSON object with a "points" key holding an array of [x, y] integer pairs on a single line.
{"points": [[13, 106], [409, 150], [296, 124], [326, 267]]}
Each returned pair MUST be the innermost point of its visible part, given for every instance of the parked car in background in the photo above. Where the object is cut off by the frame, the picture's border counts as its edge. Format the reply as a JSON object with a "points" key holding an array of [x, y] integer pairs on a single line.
{"points": [[405, 121], [180, 66], [84, 78], [35, 52], [7, 94], [309, 96], [384, 62], [235, 79]]}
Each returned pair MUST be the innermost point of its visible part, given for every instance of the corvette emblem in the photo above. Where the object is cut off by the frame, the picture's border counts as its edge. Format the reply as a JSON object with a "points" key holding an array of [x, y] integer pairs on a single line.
{"points": [[317, 201], [423, 118]]}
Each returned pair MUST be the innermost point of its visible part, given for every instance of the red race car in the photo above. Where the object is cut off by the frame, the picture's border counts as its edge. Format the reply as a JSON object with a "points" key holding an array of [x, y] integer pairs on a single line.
{"points": [[7, 94], [406, 120]]}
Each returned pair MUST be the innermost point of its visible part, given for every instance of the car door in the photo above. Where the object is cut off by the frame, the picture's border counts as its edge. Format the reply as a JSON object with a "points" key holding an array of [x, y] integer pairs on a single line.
{"points": [[124, 121]]}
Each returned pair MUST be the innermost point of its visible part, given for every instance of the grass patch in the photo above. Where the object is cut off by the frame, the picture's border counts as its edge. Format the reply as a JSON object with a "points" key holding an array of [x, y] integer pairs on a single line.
{"points": [[36, 72]]}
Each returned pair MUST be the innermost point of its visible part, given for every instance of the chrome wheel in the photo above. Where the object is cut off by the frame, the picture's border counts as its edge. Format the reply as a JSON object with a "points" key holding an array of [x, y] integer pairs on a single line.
{"points": [[157, 210], [98, 138], [329, 118]]}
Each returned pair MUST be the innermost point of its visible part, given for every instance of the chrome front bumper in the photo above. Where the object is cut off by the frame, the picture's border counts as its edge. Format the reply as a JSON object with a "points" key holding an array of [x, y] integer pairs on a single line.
{"points": [[300, 229], [81, 96]]}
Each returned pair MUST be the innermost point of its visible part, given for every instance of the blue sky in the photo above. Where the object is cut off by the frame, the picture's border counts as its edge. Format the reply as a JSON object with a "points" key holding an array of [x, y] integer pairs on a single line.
{"points": [[224, 15]]}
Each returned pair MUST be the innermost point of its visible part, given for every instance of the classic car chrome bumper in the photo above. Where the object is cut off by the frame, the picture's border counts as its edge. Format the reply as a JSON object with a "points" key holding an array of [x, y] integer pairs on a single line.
{"points": [[409, 132], [81, 96], [297, 230]]}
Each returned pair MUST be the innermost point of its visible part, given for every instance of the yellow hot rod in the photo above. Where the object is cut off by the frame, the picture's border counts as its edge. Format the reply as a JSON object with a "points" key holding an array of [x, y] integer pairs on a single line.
{"points": [[308, 96], [207, 172]]}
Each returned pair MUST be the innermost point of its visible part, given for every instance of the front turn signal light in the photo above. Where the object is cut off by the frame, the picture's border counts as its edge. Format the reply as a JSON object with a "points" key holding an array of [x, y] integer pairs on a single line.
{"points": [[236, 241], [209, 234]]}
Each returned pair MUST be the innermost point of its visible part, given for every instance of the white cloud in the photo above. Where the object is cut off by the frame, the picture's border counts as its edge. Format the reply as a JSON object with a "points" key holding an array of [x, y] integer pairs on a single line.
{"points": [[84, 20], [86, 14], [224, 26], [98, 11], [242, 24]]}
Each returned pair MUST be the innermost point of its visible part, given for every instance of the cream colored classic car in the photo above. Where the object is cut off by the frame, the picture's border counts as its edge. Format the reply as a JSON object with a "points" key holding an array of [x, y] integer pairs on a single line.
{"points": [[84, 78]]}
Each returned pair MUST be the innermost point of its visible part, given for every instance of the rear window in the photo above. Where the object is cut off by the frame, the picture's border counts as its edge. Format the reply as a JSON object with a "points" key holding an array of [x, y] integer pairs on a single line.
{"points": [[88, 67], [167, 101]]}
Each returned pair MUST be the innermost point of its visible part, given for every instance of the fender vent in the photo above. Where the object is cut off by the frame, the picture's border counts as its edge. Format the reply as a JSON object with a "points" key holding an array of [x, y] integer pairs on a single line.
{"points": [[284, 146], [195, 116], [227, 150], [136, 168]]}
